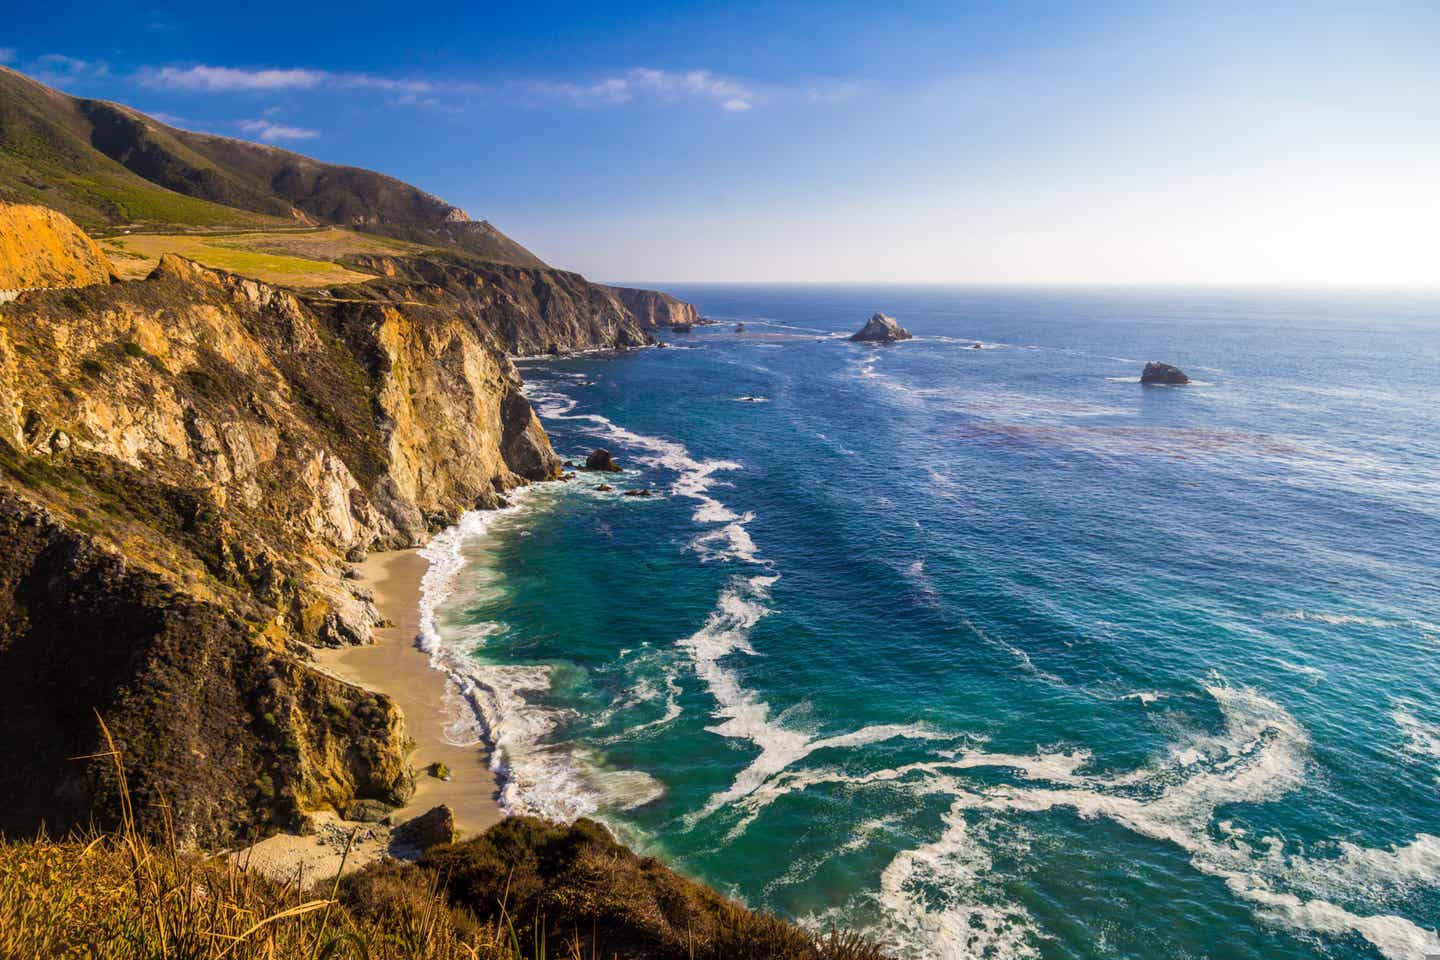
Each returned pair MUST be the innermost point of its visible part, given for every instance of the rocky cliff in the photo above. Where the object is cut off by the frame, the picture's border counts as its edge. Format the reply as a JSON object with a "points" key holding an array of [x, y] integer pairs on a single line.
{"points": [[655, 309], [529, 312], [185, 464]]}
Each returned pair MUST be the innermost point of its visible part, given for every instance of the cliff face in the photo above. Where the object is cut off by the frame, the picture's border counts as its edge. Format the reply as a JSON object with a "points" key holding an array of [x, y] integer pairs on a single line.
{"points": [[42, 248], [185, 464], [528, 312], [655, 309], [225, 727], [188, 462]]}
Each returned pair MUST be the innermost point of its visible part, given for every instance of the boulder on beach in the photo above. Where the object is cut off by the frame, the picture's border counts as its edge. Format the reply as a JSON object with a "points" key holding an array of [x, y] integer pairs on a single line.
{"points": [[1156, 372], [436, 825], [367, 811], [881, 329], [600, 459]]}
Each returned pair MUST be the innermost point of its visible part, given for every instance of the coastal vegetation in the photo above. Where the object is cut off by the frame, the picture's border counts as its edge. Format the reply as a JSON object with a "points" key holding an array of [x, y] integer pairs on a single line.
{"points": [[524, 890]]}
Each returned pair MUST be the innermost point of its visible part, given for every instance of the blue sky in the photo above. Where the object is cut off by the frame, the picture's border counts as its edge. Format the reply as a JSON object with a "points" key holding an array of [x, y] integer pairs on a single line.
{"points": [[927, 142]]}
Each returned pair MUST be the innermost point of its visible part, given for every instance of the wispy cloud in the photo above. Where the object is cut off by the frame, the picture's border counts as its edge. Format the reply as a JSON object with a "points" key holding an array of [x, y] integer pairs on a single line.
{"points": [[57, 69], [7, 54], [206, 79], [629, 86], [271, 132], [209, 79], [663, 85], [166, 118]]}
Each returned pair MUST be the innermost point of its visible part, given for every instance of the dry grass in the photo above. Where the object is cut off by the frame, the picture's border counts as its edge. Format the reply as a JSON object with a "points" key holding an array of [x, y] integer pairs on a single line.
{"points": [[108, 897], [524, 890]]}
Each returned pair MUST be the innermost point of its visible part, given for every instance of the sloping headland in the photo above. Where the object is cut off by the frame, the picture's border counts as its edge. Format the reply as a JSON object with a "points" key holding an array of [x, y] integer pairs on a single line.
{"points": [[200, 470]]}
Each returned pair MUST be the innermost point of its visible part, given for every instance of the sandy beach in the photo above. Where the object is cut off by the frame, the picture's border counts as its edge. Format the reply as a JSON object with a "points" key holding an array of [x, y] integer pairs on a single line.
{"points": [[393, 665]]}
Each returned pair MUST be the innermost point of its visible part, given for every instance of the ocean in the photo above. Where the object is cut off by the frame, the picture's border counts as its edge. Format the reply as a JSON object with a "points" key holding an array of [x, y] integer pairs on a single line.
{"points": [[990, 652]]}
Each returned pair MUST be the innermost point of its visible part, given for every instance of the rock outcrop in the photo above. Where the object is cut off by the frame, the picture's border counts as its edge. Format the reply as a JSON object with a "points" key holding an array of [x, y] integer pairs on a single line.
{"points": [[42, 248], [1156, 372], [881, 329], [433, 827]]}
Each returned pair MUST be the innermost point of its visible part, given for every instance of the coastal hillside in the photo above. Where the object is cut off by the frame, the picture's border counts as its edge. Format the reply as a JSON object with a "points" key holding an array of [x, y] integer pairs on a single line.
{"points": [[107, 165], [188, 465]]}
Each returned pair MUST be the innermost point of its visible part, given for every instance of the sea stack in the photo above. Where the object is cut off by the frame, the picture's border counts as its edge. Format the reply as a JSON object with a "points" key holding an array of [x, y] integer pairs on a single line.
{"points": [[1156, 372], [881, 329], [601, 460]]}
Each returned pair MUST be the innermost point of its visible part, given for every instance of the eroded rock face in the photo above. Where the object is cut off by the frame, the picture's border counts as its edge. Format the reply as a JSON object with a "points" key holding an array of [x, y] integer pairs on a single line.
{"points": [[42, 248], [231, 445], [232, 733], [1156, 372], [881, 329]]}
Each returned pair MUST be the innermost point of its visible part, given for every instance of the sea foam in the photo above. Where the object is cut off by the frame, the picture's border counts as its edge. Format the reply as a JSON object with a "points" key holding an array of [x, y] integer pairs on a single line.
{"points": [[498, 701]]}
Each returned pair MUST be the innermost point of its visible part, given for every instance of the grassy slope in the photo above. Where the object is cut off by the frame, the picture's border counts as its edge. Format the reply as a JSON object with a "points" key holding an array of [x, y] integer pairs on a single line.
{"points": [[291, 258], [107, 165], [523, 889], [46, 158]]}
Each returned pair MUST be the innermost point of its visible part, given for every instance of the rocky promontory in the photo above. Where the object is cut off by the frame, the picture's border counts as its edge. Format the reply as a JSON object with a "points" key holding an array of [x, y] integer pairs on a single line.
{"points": [[652, 309], [881, 329]]}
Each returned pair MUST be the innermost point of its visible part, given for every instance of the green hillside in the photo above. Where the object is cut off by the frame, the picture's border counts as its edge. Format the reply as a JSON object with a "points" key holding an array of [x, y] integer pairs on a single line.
{"points": [[108, 166]]}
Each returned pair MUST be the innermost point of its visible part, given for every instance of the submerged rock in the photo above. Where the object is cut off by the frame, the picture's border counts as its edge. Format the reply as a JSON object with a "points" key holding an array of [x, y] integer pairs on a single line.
{"points": [[600, 459], [1156, 372], [637, 493], [881, 329]]}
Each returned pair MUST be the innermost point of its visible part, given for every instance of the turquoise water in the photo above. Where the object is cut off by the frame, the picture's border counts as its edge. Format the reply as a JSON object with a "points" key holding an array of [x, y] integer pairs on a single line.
{"points": [[995, 652]]}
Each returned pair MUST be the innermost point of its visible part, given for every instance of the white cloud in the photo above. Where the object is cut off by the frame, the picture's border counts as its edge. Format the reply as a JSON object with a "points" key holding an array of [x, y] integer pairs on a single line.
{"points": [[206, 79], [638, 83], [271, 132], [665, 86]]}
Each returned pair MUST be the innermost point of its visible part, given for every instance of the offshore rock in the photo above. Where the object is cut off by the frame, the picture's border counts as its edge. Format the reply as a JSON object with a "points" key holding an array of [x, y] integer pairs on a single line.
{"points": [[881, 329], [602, 460], [1156, 372]]}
